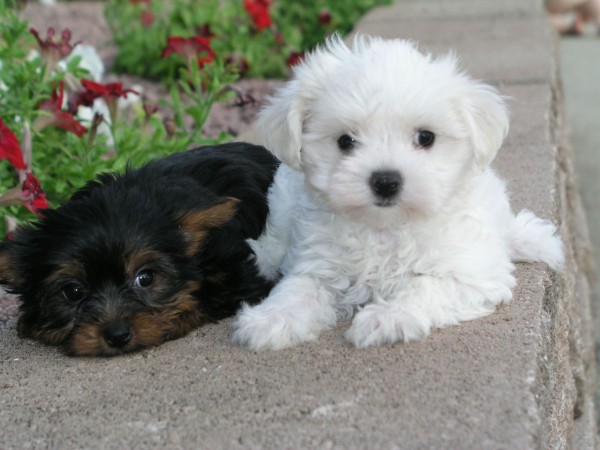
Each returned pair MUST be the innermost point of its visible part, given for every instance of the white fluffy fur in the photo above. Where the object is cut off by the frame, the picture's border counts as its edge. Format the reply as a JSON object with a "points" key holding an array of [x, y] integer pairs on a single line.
{"points": [[442, 253]]}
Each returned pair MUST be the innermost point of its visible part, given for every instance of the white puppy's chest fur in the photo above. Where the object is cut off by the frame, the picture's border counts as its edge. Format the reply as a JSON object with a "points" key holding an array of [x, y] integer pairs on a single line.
{"points": [[371, 260], [390, 258], [359, 262]]}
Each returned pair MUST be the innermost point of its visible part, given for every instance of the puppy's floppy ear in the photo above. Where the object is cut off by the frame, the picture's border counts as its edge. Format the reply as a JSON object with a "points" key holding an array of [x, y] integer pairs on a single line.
{"points": [[487, 120], [281, 121], [197, 224], [280, 124]]}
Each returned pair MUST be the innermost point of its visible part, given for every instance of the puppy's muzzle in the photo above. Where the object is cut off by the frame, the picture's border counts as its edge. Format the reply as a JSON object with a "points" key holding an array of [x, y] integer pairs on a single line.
{"points": [[386, 186], [117, 334]]}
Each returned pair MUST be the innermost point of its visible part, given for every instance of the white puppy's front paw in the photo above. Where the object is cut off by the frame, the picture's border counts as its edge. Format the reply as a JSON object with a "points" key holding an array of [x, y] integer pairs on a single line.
{"points": [[379, 324], [263, 327]]}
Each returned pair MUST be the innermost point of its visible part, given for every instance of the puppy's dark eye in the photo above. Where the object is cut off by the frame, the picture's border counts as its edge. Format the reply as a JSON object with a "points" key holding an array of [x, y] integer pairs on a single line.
{"points": [[346, 143], [424, 138], [144, 278], [74, 292]]}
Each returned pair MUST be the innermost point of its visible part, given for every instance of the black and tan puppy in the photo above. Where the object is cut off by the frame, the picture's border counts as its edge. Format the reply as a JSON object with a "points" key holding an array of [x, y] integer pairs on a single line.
{"points": [[135, 259]]}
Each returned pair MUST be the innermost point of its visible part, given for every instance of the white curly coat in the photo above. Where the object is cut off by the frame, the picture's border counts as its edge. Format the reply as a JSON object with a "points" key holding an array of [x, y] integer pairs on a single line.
{"points": [[442, 252]]}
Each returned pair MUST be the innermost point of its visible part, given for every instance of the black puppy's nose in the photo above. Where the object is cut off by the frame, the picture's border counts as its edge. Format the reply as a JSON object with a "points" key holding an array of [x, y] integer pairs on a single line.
{"points": [[117, 334], [386, 184]]}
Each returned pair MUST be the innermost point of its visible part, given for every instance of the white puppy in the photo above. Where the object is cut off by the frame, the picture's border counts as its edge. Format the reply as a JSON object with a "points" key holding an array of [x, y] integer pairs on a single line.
{"points": [[388, 200]]}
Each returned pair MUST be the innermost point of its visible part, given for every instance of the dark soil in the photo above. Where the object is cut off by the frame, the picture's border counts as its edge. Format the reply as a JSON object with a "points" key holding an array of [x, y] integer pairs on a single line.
{"points": [[86, 21]]}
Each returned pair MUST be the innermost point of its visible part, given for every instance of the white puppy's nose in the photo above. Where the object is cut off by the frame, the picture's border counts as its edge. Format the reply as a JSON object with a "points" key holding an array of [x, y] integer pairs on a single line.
{"points": [[386, 184]]}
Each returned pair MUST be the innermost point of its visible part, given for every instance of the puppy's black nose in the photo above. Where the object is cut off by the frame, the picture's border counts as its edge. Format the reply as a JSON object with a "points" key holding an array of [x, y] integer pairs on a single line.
{"points": [[386, 185], [117, 334]]}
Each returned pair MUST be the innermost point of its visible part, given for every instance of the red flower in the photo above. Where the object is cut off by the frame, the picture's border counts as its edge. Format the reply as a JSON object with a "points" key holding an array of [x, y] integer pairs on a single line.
{"points": [[294, 59], [259, 11], [194, 48], [35, 197], [324, 17], [279, 39], [107, 90], [53, 51], [9, 147], [110, 92], [58, 117], [30, 194], [91, 91], [147, 18]]}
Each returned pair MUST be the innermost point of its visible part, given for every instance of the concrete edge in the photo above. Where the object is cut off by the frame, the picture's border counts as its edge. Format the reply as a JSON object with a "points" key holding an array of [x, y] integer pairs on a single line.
{"points": [[568, 304]]}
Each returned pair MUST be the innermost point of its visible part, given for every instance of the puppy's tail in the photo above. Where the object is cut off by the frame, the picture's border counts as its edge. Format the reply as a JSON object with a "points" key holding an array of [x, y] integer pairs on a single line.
{"points": [[535, 240]]}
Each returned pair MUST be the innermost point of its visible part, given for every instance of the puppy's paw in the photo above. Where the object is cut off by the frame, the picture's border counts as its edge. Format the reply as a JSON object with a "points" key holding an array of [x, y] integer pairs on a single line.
{"points": [[268, 327], [380, 323]]}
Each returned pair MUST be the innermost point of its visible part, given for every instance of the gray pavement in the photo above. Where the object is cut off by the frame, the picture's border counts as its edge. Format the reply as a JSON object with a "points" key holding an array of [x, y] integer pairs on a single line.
{"points": [[580, 70], [518, 379]]}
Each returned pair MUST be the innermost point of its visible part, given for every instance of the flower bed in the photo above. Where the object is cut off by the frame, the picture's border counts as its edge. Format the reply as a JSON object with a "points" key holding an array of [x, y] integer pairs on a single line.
{"points": [[65, 121]]}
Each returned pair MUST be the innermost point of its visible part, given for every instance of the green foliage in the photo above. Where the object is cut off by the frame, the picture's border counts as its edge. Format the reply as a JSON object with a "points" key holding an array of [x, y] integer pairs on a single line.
{"points": [[299, 21], [62, 161], [295, 28]]}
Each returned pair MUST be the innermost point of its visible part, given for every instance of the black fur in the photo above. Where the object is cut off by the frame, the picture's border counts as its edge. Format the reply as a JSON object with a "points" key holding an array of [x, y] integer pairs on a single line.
{"points": [[119, 218]]}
